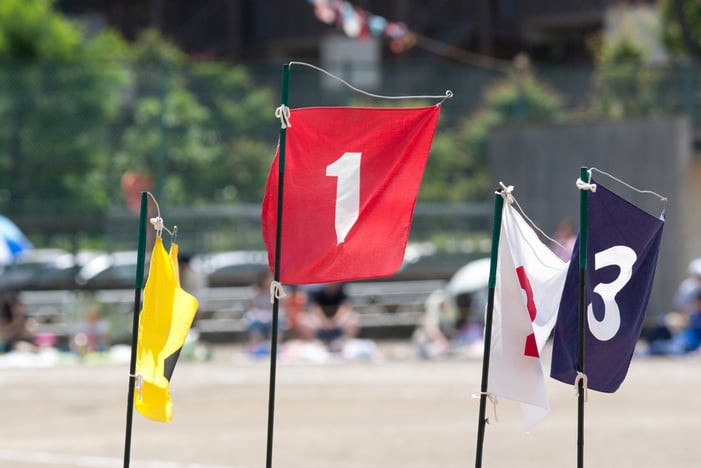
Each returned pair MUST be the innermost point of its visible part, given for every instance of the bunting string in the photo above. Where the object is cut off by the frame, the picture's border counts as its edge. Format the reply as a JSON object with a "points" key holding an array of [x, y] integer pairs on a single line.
{"points": [[448, 94], [358, 23]]}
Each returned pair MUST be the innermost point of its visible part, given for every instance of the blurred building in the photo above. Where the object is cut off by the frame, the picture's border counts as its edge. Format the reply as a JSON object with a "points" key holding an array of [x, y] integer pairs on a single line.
{"points": [[548, 30]]}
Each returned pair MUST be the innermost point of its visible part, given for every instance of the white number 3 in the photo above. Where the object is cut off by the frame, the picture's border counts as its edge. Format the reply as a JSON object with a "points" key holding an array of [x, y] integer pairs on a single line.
{"points": [[623, 257], [347, 170]]}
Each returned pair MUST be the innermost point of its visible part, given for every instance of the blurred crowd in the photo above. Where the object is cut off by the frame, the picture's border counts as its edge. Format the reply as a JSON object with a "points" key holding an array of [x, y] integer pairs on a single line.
{"points": [[319, 321], [314, 320], [679, 331]]}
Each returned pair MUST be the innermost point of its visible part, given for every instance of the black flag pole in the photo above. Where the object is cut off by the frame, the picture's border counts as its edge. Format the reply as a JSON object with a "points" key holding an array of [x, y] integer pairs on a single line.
{"points": [[496, 230], [276, 274], [584, 176], [138, 286]]}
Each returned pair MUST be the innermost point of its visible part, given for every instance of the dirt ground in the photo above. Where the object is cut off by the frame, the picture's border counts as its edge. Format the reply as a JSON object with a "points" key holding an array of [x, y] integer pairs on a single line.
{"points": [[399, 412]]}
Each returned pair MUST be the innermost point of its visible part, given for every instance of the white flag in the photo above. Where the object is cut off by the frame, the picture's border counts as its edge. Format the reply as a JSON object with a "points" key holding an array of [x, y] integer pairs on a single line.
{"points": [[529, 283]]}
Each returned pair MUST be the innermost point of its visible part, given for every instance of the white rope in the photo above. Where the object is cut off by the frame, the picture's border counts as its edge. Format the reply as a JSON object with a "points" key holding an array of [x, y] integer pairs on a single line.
{"points": [[448, 93], [650, 192], [492, 399], [138, 384], [283, 113], [276, 291], [506, 192], [581, 185], [157, 222], [581, 377]]}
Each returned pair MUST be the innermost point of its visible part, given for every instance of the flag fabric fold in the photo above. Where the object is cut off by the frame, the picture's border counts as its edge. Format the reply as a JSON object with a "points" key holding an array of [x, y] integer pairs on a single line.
{"points": [[164, 322], [352, 176], [529, 283], [623, 244]]}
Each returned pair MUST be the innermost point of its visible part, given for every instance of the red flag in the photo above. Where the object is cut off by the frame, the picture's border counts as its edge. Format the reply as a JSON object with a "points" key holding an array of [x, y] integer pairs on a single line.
{"points": [[351, 180]]}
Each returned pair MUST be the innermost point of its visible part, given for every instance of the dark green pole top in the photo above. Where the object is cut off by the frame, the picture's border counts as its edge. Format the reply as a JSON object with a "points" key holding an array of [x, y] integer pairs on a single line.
{"points": [[585, 177]]}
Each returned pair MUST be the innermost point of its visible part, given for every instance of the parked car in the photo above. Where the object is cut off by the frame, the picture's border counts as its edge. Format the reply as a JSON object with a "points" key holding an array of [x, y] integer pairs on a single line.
{"points": [[44, 269], [115, 270], [234, 268]]}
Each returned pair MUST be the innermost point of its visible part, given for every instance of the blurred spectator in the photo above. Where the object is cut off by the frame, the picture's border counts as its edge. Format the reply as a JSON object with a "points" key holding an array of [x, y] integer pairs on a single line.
{"points": [[259, 315], [15, 326], [190, 279], [688, 339], [450, 325], [331, 317], [565, 238], [688, 289], [92, 333], [295, 308], [679, 331], [432, 336]]}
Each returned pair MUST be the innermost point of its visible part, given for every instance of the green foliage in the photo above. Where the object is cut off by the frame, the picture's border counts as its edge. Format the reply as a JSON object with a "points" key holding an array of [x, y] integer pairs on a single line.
{"points": [[30, 29], [153, 49], [81, 109], [672, 33], [624, 85], [196, 128], [57, 94], [457, 169]]}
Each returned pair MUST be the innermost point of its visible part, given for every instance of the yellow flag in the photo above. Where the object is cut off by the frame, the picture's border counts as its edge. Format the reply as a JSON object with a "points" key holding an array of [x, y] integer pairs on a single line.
{"points": [[164, 322]]}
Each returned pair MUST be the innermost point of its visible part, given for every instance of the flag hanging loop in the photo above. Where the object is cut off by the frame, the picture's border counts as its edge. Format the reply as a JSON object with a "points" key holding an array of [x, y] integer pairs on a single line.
{"points": [[493, 400], [157, 222], [276, 291], [283, 113], [581, 377], [581, 185], [506, 193], [138, 384], [448, 94]]}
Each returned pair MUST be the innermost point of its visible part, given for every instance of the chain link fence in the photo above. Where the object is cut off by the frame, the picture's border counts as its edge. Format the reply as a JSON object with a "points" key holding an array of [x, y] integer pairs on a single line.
{"points": [[71, 130]]}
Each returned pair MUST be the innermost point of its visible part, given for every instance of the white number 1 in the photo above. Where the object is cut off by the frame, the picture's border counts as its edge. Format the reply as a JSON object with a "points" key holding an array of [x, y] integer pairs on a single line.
{"points": [[347, 170]]}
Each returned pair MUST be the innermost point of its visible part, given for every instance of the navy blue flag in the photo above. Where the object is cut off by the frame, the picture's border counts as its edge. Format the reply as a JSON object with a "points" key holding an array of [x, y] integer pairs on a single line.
{"points": [[622, 250]]}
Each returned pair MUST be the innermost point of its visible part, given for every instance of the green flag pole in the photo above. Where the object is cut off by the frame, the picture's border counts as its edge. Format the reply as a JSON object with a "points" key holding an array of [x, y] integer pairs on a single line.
{"points": [[276, 273], [584, 176], [496, 230], [138, 286]]}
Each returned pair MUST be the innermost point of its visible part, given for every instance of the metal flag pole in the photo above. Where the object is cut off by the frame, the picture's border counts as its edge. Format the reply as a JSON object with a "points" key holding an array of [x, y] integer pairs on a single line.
{"points": [[584, 176], [496, 230], [276, 273], [138, 286]]}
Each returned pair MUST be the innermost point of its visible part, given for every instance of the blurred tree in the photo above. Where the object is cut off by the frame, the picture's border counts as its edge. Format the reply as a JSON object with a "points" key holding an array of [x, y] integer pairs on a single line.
{"points": [[681, 21], [458, 167], [60, 88], [625, 85], [196, 128]]}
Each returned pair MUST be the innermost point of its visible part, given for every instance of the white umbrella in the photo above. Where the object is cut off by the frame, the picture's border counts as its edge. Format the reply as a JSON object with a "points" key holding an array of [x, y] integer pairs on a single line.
{"points": [[470, 278], [12, 241]]}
